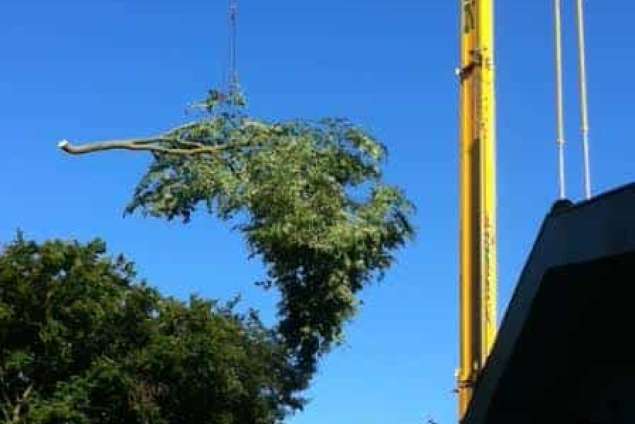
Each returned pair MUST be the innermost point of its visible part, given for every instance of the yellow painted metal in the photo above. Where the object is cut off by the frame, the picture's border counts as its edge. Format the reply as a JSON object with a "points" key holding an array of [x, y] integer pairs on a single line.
{"points": [[478, 274]]}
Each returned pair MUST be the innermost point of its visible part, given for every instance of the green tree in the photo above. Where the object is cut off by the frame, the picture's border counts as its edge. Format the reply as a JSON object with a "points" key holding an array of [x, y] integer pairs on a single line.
{"points": [[82, 342], [308, 198]]}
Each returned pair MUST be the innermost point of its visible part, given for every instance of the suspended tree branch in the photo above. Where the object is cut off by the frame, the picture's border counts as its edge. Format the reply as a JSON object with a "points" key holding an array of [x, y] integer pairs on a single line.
{"points": [[171, 142], [149, 144], [145, 145]]}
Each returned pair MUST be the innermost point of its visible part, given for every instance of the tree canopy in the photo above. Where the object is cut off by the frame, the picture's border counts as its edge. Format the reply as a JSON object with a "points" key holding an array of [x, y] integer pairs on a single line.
{"points": [[82, 341], [308, 198]]}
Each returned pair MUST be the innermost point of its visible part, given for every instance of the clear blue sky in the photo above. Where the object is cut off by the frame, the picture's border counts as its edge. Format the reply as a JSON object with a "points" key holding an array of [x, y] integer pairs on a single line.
{"points": [[87, 70]]}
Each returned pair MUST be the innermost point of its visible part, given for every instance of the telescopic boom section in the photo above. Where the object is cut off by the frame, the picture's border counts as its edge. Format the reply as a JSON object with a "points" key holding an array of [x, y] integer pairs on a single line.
{"points": [[478, 288]]}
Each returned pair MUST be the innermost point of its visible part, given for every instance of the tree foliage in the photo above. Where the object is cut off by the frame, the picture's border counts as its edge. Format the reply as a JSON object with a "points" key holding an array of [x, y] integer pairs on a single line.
{"points": [[308, 198], [82, 342]]}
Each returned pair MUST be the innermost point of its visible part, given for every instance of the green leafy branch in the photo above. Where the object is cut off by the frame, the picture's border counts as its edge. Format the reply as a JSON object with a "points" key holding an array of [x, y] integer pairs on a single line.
{"points": [[309, 197]]}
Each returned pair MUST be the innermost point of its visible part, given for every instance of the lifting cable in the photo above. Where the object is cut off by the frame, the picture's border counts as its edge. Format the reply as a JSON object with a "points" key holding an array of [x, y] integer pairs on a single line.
{"points": [[560, 140], [584, 104], [233, 84]]}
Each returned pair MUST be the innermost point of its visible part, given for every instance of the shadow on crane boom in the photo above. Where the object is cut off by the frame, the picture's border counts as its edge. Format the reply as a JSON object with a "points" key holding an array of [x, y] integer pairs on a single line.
{"points": [[564, 353]]}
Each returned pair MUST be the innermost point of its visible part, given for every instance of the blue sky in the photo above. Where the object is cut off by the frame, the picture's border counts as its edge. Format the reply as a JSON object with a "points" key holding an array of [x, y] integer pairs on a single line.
{"points": [[88, 70]]}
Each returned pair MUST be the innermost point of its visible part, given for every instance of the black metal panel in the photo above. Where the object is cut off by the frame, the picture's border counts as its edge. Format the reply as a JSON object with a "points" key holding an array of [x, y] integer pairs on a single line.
{"points": [[580, 265]]}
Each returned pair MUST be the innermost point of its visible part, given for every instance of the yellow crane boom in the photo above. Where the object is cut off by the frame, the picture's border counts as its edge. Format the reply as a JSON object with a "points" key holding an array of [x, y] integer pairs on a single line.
{"points": [[478, 275]]}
